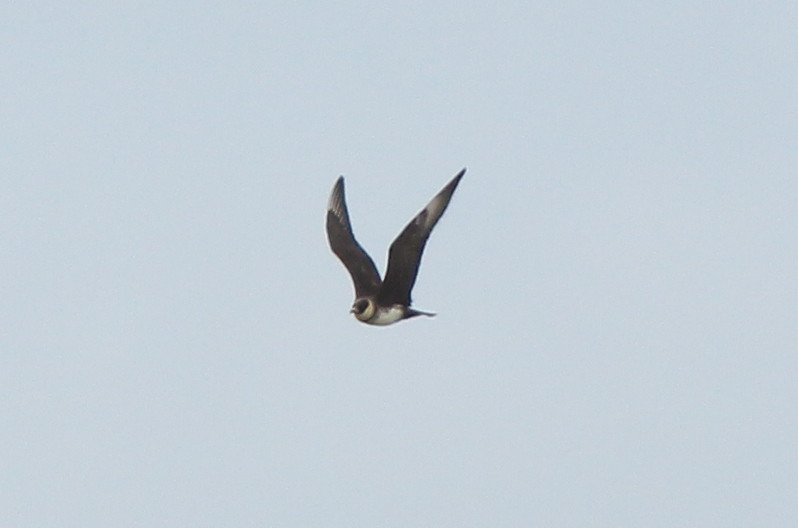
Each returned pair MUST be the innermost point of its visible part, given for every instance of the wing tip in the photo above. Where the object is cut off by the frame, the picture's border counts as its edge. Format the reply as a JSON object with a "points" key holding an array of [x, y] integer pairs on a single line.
{"points": [[457, 178], [336, 196], [452, 185]]}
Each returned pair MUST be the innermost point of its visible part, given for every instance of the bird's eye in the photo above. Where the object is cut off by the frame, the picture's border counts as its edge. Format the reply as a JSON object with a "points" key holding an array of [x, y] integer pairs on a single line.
{"points": [[361, 306]]}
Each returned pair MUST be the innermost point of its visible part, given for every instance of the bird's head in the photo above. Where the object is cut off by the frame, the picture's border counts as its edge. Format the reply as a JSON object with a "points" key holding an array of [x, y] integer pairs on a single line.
{"points": [[364, 309]]}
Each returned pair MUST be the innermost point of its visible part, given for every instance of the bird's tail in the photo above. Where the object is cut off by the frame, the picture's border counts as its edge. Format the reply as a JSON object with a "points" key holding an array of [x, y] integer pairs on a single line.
{"points": [[412, 313]]}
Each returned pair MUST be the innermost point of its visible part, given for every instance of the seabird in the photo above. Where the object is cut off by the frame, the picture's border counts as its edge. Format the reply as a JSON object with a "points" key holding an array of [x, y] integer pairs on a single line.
{"points": [[384, 302]]}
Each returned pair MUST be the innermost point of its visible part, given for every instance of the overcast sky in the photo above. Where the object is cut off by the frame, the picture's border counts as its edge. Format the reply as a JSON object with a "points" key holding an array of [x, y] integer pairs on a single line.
{"points": [[616, 278]]}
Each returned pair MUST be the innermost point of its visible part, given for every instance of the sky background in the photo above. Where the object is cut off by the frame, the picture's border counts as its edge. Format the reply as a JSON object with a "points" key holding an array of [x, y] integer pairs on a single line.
{"points": [[616, 278]]}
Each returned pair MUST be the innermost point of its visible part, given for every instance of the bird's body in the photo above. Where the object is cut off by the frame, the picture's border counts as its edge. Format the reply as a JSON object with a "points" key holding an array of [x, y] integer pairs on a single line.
{"points": [[384, 315], [377, 301]]}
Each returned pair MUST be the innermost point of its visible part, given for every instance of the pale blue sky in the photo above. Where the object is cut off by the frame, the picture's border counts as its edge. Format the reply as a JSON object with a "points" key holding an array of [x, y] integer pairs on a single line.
{"points": [[616, 277]]}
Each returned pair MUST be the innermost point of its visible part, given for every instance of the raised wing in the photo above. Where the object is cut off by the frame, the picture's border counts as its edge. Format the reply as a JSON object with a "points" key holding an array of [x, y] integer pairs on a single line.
{"points": [[364, 273], [404, 256]]}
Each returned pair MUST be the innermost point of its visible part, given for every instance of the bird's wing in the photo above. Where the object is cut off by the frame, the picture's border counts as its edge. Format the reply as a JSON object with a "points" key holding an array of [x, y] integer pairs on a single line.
{"points": [[364, 273], [404, 256]]}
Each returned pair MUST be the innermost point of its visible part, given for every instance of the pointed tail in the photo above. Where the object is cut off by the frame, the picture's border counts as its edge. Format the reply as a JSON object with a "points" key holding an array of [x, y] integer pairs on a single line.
{"points": [[412, 313]]}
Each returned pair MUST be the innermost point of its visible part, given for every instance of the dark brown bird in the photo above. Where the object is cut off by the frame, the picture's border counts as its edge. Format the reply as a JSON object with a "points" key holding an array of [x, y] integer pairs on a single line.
{"points": [[384, 302]]}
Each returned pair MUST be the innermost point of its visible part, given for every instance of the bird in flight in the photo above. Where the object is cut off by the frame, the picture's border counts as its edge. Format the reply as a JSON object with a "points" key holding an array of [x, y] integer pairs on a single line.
{"points": [[384, 302]]}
